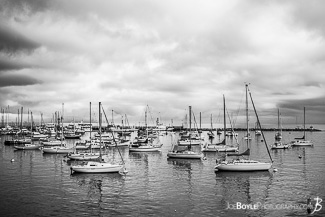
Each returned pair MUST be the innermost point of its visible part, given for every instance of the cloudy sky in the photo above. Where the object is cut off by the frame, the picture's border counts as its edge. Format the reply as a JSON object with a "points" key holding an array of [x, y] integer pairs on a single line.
{"points": [[167, 54]]}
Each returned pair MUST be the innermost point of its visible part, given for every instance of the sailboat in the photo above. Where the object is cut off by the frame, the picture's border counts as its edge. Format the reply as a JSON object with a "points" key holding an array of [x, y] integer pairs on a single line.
{"points": [[28, 146], [220, 147], [210, 133], [85, 155], [62, 149], [257, 131], [190, 137], [302, 141], [147, 145], [99, 166], [278, 137], [183, 153], [71, 134], [244, 164]]}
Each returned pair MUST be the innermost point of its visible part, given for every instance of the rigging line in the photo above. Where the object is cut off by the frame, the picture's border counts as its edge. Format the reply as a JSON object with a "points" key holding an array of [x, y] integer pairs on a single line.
{"points": [[232, 127], [195, 124], [114, 138], [239, 108], [259, 124]]}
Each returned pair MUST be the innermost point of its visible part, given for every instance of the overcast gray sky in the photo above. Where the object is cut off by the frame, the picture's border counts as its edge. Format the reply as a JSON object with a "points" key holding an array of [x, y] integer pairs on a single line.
{"points": [[167, 54]]}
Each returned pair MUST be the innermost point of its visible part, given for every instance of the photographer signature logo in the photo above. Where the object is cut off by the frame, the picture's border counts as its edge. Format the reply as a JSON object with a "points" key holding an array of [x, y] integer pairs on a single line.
{"points": [[314, 208]]}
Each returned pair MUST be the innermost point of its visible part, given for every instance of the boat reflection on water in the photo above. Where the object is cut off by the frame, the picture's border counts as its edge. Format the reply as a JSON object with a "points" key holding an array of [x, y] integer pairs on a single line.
{"points": [[100, 191], [247, 188]]}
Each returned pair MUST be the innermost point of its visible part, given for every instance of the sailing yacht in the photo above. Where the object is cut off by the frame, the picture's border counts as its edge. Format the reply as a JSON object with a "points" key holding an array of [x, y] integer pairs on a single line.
{"points": [[220, 147], [28, 145], [147, 144], [183, 152], [62, 149], [100, 166], [278, 144], [244, 164], [302, 141], [85, 155]]}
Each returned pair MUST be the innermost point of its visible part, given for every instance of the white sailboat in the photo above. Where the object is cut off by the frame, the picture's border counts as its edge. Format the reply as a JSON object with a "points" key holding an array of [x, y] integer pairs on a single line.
{"points": [[278, 144], [220, 147], [184, 153], [302, 141], [148, 144], [85, 155], [244, 164], [31, 145], [62, 149], [100, 166]]}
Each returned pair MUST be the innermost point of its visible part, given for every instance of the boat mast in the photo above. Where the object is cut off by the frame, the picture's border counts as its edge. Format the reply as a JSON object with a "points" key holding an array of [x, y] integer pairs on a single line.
{"points": [[247, 130], [146, 124], [210, 121], [62, 123], [112, 117], [90, 122], [278, 120], [190, 118], [304, 123], [100, 133], [21, 118], [201, 120], [31, 127], [224, 117]]}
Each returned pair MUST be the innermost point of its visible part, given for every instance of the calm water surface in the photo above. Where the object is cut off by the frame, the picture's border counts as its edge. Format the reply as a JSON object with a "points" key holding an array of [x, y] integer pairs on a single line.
{"points": [[39, 184]]}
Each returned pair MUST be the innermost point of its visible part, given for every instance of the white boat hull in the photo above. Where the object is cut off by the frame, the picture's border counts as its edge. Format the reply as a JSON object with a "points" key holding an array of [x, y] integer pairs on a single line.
{"points": [[219, 148], [189, 142], [83, 156], [185, 155], [57, 150], [280, 146], [97, 167], [145, 149], [243, 165], [302, 143]]}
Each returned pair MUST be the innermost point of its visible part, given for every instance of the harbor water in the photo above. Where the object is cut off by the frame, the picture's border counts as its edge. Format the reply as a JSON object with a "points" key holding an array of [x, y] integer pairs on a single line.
{"points": [[37, 184]]}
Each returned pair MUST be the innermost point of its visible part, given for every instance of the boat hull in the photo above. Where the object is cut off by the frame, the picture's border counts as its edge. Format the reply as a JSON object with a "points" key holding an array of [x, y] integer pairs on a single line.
{"points": [[302, 143], [222, 148], [72, 136], [188, 142], [27, 147], [96, 167], [84, 156], [280, 146], [184, 155], [145, 149], [57, 150], [244, 165]]}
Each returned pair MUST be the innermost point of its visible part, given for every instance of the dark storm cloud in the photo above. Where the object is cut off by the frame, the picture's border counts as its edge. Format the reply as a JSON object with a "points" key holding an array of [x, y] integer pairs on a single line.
{"points": [[10, 7], [12, 42], [314, 109], [6, 65], [17, 80]]}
